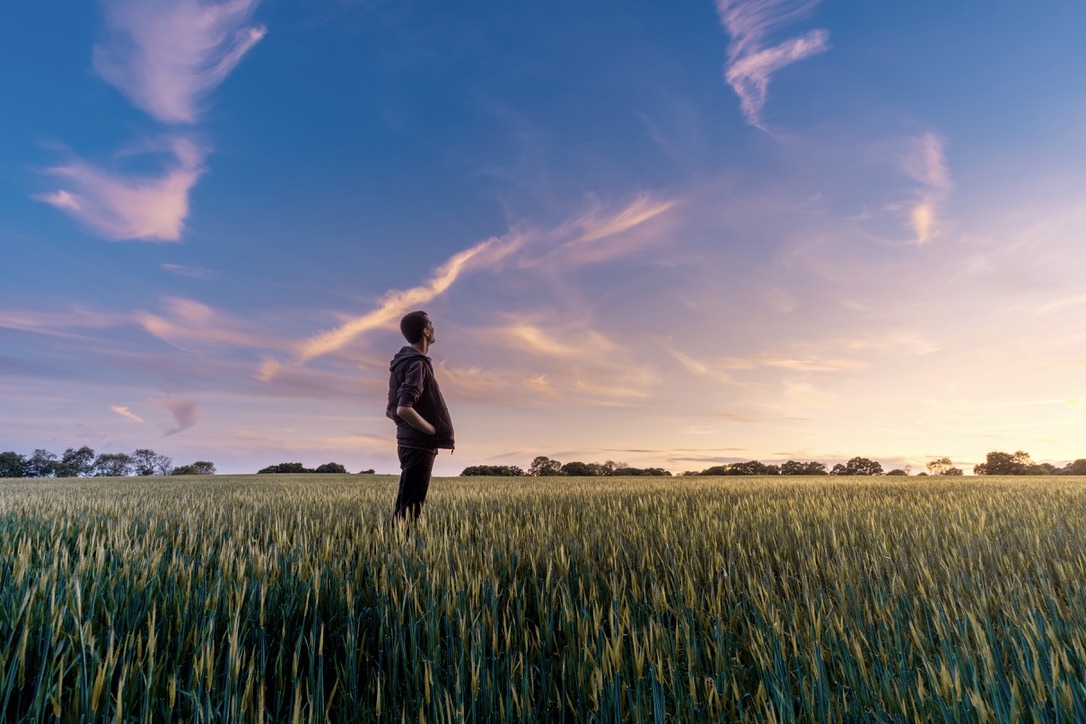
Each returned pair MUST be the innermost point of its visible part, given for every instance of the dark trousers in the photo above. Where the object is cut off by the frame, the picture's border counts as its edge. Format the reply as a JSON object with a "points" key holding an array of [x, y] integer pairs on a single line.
{"points": [[416, 464]]}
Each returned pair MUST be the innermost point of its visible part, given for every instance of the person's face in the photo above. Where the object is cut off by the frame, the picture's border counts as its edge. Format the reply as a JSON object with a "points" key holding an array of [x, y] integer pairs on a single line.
{"points": [[428, 333]]}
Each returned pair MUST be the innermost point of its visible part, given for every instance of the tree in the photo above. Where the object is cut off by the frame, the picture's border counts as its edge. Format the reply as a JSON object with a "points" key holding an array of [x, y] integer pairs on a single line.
{"points": [[148, 462], [544, 466], [12, 465], [897, 471], [753, 467], [42, 464], [330, 468], [1001, 463], [579, 469], [609, 467], [112, 465], [953, 471], [862, 466], [200, 467], [659, 472], [1076, 468], [793, 467], [77, 463], [284, 468], [839, 469], [370, 471], [504, 471], [939, 465]]}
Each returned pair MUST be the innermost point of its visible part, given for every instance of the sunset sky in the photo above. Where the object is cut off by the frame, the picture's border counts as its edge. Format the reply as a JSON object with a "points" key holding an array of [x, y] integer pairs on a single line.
{"points": [[665, 234]]}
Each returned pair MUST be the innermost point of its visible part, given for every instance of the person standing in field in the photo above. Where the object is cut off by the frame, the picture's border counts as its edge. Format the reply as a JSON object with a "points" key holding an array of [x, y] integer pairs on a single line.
{"points": [[415, 404]]}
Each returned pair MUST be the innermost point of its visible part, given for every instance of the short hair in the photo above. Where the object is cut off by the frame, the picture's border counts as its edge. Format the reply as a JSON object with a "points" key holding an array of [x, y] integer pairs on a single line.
{"points": [[412, 326]]}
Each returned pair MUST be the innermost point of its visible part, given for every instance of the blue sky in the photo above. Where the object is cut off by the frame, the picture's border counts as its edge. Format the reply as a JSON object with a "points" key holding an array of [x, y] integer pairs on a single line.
{"points": [[663, 234]]}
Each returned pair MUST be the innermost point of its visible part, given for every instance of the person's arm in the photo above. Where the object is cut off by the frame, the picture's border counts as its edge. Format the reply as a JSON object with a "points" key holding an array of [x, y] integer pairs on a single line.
{"points": [[415, 420], [409, 393]]}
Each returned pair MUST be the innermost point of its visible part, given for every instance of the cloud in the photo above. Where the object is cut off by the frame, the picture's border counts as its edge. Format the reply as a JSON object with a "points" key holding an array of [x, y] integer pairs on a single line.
{"points": [[924, 161], [600, 233], [804, 393], [598, 226], [167, 55], [55, 323], [751, 61], [1059, 305], [586, 230], [124, 207], [397, 303], [567, 360], [126, 413], [189, 321], [584, 342], [268, 369], [195, 272], [701, 369], [185, 414]]}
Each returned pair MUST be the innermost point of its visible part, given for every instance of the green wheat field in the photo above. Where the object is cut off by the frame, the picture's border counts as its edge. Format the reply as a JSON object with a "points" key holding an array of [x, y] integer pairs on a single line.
{"points": [[292, 598]]}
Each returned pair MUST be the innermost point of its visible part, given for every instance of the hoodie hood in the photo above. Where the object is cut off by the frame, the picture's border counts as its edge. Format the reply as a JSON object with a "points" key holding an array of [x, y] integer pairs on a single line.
{"points": [[405, 354]]}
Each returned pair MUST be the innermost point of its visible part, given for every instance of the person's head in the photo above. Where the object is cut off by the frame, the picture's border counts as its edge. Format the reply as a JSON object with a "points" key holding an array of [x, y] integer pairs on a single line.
{"points": [[414, 326]]}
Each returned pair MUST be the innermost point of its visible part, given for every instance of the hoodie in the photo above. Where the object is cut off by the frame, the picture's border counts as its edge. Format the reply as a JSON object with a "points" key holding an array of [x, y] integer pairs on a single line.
{"points": [[411, 383]]}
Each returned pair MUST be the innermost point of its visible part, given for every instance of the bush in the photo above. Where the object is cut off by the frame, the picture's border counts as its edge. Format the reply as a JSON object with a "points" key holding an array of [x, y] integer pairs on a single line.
{"points": [[505, 471], [284, 468], [200, 467]]}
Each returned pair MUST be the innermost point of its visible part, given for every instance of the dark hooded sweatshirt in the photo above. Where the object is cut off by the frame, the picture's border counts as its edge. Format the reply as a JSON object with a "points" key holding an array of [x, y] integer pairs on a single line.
{"points": [[411, 383]]}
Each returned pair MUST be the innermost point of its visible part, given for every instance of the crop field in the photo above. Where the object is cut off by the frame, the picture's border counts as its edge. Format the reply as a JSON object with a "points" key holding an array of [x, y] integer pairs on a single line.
{"points": [[292, 598]]}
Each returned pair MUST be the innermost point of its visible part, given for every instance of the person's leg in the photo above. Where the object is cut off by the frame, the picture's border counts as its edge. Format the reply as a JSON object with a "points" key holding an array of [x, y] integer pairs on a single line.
{"points": [[415, 468]]}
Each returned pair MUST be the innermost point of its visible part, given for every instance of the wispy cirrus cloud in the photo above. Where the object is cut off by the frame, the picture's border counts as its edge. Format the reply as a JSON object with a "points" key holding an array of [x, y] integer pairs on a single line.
{"points": [[126, 413], [752, 60], [601, 233], [568, 241], [562, 357], [194, 272], [167, 55], [924, 161], [60, 323], [551, 342], [596, 225], [396, 303], [191, 323], [122, 207]]}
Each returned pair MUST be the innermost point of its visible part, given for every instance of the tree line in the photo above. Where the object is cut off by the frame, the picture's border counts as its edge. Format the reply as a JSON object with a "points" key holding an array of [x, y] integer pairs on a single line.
{"points": [[544, 466], [299, 468], [83, 462], [1019, 463], [997, 463]]}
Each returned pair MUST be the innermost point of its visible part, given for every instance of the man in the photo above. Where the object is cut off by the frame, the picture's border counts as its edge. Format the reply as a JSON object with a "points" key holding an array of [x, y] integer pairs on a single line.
{"points": [[415, 404]]}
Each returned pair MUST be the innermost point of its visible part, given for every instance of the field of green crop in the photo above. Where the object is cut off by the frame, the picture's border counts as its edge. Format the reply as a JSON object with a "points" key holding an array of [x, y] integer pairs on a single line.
{"points": [[292, 598]]}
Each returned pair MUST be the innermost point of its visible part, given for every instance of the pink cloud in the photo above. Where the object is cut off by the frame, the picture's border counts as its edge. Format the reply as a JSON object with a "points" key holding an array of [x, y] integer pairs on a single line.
{"points": [[185, 414], [126, 413], [190, 322], [167, 55], [123, 207], [751, 62]]}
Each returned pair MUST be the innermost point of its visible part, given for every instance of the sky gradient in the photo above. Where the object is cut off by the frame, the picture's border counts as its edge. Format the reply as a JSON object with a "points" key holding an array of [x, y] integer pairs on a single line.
{"points": [[671, 235]]}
